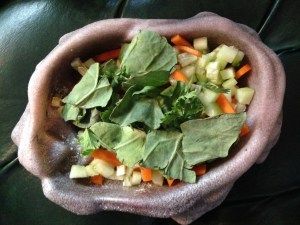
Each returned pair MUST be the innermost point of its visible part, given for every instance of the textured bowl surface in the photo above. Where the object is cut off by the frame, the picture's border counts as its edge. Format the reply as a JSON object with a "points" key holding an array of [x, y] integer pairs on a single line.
{"points": [[47, 145]]}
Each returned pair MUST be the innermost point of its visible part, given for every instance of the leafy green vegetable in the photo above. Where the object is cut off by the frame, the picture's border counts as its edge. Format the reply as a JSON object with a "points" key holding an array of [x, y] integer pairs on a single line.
{"points": [[133, 108], [211, 138], [90, 93], [91, 116], [88, 141], [154, 78], [185, 105], [73, 113], [127, 142], [163, 151], [214, 87], [148, 52]]}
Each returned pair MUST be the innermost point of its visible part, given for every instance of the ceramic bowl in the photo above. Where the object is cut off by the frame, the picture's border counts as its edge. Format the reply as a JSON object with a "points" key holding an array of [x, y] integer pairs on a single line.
{"points": [[48, 147]]}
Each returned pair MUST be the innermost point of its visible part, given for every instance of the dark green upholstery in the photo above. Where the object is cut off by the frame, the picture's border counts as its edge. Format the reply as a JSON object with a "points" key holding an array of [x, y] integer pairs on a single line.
{"points": [[267, 194]]}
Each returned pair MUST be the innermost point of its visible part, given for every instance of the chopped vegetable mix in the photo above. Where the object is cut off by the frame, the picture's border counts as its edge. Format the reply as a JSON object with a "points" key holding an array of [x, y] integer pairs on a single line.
{"points": [[153, 112]]}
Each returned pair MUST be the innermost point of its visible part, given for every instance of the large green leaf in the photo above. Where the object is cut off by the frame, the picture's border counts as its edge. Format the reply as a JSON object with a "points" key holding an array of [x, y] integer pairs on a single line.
{"points": [[134, 108], [73, 113], [127, 142], [163, 151], [147, 52], [88, 141], [206, 139]]}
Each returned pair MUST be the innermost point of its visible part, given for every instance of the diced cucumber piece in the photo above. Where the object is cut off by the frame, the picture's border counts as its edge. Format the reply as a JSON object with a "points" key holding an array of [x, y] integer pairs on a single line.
{"points": [[82, 70], [238, 58], [185, 59], [136, 178], [115, 177], [103, 168], [78, 171], [202, 61], [240, 108], [229, 83], [216, 50], [157, 178], [89, 62], [233, 90], [222, 64], [121, 170], [200, 74], [189, 71], [76, 63], [90, 170], [208, 96], [227, 53], [201, 44], [212, 72], [227, 73], [212, 56], [126, 182], [244, 95], [213, 109]]}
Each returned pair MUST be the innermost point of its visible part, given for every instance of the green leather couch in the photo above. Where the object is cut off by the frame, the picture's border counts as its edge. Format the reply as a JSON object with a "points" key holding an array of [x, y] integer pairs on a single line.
{"points": [[268, 193]]}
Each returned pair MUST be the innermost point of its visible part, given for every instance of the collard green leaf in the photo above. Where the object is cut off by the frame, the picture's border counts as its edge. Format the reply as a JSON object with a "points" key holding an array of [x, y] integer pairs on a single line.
{"points": [[91, 117], [206, 139], [133, 108], [88, 141], [163, 151], [148, 52], [85, 87], [72, 113], [100, 96], [154, 78], [88, 92], [127, 142]]}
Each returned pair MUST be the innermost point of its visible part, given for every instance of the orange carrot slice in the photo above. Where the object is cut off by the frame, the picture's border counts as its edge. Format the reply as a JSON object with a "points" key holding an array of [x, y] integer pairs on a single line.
{"points": [[245, 130], [242, 71], [224, 104], [97, 180], [179, 40], [179, 76], [105, 56], [188, 50], [146, 174], [200, 169], [107, 156], [170, 182]]}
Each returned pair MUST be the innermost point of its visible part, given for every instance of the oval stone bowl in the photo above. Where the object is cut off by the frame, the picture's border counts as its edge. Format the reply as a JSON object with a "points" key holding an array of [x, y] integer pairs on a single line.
{"points": [[47, 145]]}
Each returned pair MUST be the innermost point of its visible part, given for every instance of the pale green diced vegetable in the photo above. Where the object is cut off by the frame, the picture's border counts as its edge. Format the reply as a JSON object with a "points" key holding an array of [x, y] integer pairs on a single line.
{"points": [[202, 61], [136, 178], [212, 56], [157, 178], [200, 74], [78, 171], [240, 108], [227, 73], [238, 58], [126, 182], [213, 109], [76, 63], [233, 90], [244, 95], [115, 177], [208, 96], [189, 72], [82, 70], [222, 64], [229, 83], [121, 170], [56, 102], [212, 73], [103, 168], [201, 44], [90, 170], [185, 59], [227, 53], [216, 50], [89, 62]]}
